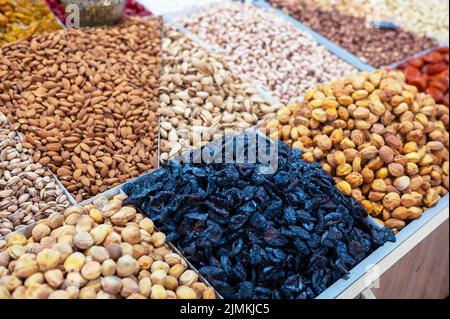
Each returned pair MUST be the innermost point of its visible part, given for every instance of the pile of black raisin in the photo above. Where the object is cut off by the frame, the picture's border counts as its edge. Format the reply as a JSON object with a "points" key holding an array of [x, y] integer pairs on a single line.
{"points": [[290, 234]]}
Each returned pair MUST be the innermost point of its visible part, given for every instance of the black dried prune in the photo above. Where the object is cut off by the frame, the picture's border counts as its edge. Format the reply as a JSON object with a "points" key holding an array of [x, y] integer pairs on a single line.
{"points": [[286, 233]]}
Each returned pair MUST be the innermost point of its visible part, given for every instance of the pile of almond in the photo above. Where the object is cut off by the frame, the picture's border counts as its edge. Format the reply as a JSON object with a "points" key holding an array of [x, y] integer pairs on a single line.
{"points": [[86, 101], [385, 144]]}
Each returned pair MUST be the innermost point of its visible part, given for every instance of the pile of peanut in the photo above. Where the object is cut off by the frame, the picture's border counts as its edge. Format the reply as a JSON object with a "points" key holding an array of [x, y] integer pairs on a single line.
{"points": [[86, 101], [100, 251], [28, 192], [201, 99], [267, 48], [385, 144]]}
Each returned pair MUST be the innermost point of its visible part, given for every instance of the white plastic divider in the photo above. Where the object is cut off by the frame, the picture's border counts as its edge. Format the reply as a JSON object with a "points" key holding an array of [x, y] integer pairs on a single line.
{"points": [[331, 46]]}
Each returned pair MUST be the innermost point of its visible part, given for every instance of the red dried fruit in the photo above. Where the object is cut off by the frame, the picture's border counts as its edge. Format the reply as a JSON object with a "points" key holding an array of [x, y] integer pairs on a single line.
{"points": [[439, 85], [421, 82], [412, 73], [429, 74], [437, 94], [433, 57], [436, 68], [417, 63]]}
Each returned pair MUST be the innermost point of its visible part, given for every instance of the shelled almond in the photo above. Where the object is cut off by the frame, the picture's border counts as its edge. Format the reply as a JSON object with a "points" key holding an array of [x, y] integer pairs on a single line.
{"points": [[104, 250], [86, 101], [385, 144]]}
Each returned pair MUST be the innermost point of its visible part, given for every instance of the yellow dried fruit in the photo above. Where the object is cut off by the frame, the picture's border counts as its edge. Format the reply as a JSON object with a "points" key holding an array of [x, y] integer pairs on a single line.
{"points": [[54, 278], [184, 292], [379, 185], [343, 170], [145, 286], [24, 268], [391, 201], [83, 240], [159, 277], [147, 225], [131, 234], [344, 187], [177, 270], [158, 239], [74, 262], [158, 292], [209, 293], [4, 293], [40, 231], [48, 259], [126, 266], [96, 215], [16, 239], [402, 183]]}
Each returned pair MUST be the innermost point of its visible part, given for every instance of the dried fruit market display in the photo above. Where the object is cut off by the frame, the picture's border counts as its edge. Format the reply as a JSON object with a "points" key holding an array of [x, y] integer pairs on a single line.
{"points": [[28, 192], [288, 234], [352, 157], [267, 48], [201, 99], [104, 250], [429, 73], [23, 18], [385, 144], [375, 46], [87, 104]]}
